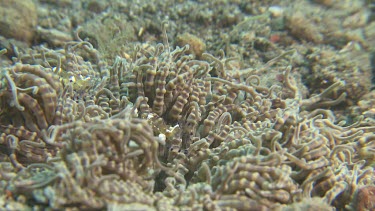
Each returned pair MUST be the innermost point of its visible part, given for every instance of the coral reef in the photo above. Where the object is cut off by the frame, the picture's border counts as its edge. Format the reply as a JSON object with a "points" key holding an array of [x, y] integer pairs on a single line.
{"points": [[199, 133], [178, 124]]}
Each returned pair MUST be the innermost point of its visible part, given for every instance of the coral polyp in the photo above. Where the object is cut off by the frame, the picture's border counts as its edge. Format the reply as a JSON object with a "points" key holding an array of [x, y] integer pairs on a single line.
{"points": [[236, 121]]}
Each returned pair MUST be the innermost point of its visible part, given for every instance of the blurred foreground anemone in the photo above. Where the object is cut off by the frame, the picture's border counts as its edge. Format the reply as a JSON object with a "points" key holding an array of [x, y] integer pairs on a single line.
{"points": [[161, 130]]}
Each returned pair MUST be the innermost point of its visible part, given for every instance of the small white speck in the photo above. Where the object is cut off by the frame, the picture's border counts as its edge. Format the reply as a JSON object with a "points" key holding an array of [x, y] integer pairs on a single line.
{"points": [[276, 11], [162, 139]]}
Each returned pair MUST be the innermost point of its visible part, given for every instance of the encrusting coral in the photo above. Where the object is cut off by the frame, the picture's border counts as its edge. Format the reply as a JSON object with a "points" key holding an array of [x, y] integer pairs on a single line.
{"points": [[162, 130]]}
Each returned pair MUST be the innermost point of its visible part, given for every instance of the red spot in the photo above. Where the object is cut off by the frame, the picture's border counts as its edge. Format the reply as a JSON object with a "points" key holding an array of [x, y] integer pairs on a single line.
{"points": [[275, 38], [8, 194], [280, 77]]}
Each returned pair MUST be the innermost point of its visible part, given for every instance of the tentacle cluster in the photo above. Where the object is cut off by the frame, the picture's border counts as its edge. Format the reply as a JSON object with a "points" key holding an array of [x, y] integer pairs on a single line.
{"points": [[160, 129]]}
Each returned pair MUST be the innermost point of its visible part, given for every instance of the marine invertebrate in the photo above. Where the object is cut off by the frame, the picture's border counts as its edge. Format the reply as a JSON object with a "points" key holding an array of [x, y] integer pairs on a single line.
{"points": [[182, 132], [29, 102]]}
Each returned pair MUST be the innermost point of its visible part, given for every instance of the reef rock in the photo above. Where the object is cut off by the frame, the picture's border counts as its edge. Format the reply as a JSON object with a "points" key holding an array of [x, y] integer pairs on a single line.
{"points": [[18, 19]]}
